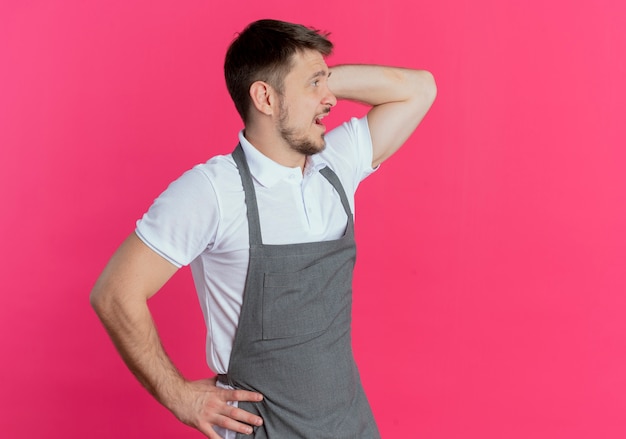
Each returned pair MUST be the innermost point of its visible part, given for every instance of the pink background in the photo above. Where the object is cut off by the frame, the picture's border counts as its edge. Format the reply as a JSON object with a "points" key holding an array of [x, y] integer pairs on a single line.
{"points": [[489, 292]]}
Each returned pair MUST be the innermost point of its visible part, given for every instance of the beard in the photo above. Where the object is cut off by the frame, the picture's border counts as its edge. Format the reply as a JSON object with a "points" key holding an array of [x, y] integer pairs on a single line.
{"points": [[302, 143]]}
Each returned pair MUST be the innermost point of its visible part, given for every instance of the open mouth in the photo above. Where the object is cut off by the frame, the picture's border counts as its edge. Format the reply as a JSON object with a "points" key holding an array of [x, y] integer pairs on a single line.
{"points": [[318, 119]]}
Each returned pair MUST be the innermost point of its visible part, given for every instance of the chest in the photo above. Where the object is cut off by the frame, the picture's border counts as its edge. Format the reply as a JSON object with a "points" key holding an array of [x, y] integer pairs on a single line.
{"points": [[289, 213]]}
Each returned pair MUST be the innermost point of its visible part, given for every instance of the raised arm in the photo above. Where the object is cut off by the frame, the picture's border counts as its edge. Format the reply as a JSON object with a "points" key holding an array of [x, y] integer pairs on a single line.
{"points": [[133, 275], [400, 99]]}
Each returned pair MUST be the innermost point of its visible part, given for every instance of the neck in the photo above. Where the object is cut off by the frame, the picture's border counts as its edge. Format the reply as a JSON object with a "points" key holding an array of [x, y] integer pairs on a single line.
{"points": [[273, 146]]}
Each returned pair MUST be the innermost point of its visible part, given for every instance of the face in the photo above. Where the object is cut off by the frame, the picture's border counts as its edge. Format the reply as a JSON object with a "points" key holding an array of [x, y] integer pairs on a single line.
{"points": [[305, 102]]}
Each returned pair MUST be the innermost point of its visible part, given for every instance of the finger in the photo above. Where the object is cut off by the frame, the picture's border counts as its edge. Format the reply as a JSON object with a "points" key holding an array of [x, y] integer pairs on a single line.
{"points": [[233, 425], [241, 395], [244, 416]]}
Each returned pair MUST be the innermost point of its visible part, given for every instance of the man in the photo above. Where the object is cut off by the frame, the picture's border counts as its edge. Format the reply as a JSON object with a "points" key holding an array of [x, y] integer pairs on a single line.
{"points": [[268, 231]]}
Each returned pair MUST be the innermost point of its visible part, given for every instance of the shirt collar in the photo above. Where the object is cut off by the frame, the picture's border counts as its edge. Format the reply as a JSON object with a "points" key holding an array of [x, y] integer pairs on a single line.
{"points": [[314, 163], [267, 172]]}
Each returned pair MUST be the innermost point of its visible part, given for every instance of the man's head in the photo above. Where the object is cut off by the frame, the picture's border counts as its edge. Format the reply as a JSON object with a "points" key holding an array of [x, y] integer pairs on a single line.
{"points": [[264, 51]]}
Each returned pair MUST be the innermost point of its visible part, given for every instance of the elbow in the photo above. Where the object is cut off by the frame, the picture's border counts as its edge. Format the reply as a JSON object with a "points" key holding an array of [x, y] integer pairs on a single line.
{"points": [[102, 298], [423, 91], [427, 86], [97, 300], [107, 305]]}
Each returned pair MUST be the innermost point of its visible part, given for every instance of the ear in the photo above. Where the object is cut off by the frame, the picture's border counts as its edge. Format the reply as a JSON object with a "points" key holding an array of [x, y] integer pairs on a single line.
{"points": [[262, 96]]}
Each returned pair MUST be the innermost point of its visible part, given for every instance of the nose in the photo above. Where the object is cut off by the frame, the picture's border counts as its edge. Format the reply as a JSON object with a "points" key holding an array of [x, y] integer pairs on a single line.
{"points": [[329, 98]]}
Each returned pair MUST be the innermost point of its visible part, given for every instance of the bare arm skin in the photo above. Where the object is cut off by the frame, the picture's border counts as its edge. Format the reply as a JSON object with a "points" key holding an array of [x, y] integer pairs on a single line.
{"points": [[133, 275], [400, 99]]}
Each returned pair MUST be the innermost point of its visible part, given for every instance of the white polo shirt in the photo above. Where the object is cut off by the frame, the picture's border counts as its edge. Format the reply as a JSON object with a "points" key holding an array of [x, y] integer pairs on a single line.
{"points": [[201, 220]]}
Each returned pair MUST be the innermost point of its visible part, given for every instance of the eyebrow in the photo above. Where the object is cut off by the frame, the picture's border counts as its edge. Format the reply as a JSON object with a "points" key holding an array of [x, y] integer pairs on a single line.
{"points": [[320, 73]]}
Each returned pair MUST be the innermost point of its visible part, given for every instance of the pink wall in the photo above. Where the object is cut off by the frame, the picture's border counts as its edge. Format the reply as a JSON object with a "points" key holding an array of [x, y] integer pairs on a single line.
{"points": [[490, 283]]}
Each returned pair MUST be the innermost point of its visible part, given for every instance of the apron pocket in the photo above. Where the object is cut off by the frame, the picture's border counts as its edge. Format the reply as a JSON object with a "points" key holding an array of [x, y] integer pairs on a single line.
{"points": [[294, 304]]}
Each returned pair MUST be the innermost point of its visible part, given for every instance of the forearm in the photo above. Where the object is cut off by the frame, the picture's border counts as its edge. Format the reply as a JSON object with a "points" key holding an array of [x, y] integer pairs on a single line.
{"points": [[133, 275], [375, 85], [399, 97], [133, 331]]}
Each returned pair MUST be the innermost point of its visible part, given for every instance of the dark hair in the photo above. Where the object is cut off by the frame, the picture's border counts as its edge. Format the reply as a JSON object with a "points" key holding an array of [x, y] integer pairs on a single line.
{"points": [[264, 52]]}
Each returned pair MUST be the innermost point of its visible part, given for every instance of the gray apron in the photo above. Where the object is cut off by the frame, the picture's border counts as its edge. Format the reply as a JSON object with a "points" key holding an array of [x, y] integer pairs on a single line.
{"points": [[293, 340]]}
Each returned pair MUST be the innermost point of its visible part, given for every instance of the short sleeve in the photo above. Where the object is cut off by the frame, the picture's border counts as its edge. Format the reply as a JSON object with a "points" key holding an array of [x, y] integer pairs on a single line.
{"points": [[182, 222], [349, 151]]}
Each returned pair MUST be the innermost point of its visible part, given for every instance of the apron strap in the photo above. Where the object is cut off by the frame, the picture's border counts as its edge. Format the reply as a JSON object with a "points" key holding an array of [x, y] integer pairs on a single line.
{"points": [[332, 178], [254, 224]]}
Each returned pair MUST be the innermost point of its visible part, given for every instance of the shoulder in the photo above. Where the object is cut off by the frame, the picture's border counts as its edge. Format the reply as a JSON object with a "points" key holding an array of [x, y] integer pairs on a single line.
{"points": [[354, 131], [349, 150], [204, 180], [214, 170], [184, 219]]}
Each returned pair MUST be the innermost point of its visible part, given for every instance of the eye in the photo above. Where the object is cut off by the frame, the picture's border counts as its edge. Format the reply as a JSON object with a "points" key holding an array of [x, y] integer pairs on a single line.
{"points": [[316, 83]]}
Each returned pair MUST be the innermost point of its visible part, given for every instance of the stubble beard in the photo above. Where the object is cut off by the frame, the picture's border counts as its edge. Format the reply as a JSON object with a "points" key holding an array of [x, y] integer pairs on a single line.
{"points": [[299, 143]]}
